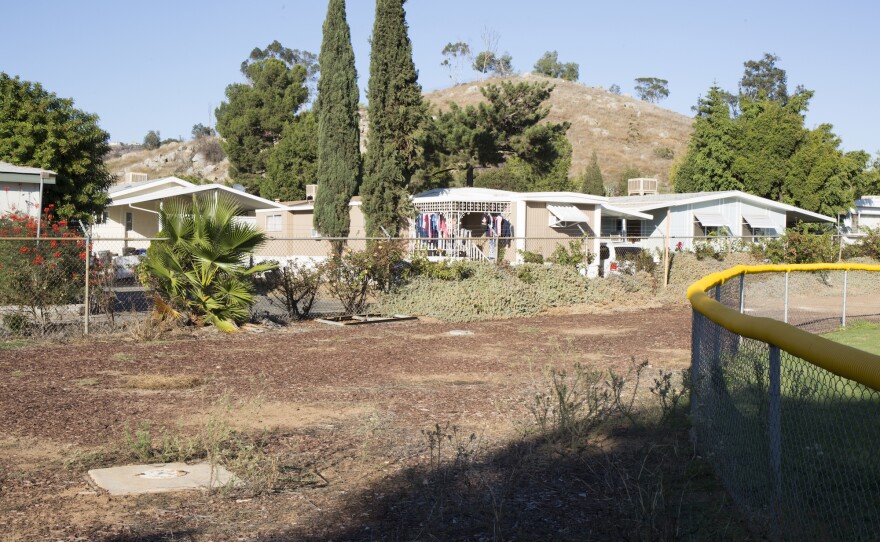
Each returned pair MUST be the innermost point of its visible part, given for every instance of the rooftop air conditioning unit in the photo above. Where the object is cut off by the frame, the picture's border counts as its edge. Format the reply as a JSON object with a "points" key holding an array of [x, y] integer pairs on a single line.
{"points": [[131, 177]]}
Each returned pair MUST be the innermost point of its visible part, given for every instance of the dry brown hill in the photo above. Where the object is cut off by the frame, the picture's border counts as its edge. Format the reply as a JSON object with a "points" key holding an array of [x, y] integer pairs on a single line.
{"points": [[200, 158], [624, 132]]}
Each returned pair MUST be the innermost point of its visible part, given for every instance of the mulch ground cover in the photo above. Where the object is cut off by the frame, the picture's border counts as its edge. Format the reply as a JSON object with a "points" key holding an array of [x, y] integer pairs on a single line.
{"points": [[354, 406]]}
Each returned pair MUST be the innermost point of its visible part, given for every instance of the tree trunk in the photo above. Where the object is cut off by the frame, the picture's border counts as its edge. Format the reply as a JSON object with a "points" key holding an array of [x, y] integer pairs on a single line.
{"points": [[469, 182]]}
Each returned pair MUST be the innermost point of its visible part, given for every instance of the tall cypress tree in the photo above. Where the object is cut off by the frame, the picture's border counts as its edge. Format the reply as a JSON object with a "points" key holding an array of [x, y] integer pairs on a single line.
{"points": [[339, 158], [396, 112], [592, 181]]}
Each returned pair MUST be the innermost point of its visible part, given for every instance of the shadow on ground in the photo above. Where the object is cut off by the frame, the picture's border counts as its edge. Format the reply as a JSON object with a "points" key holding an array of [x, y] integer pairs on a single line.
{"points": [[645, 483]]}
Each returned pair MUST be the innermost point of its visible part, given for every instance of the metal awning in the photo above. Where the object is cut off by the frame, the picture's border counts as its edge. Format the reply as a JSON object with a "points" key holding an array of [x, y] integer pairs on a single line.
{"points": [[710, 220], [758, 221], [569, 214]]}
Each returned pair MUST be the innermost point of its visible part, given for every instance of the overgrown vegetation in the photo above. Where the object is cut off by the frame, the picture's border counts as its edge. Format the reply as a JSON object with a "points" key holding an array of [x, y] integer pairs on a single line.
{"points": [[658, 489]]}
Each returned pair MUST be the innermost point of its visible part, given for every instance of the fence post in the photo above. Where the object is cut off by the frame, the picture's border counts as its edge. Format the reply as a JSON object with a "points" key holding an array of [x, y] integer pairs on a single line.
{"points": [[742, 293], [843, 313], [86, 304], [785, 309], [775, 438], [716, 350]]}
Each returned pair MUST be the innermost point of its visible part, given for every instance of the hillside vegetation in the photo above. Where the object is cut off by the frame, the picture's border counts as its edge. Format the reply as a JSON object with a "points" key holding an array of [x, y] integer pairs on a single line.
{"points": [[623, 131]]}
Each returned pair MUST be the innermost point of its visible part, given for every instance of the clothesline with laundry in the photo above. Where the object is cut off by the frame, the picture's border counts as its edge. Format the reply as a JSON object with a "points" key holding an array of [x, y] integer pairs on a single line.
{"points": [[436, 226]]}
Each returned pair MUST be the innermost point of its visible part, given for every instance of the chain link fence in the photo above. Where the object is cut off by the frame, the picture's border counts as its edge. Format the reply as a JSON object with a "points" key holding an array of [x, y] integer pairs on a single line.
{"points": [[117, 298], [795, 444]]}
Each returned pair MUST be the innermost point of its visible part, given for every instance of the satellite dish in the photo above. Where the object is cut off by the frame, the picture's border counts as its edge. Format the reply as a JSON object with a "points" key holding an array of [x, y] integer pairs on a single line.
{"points": [[239, 187]]}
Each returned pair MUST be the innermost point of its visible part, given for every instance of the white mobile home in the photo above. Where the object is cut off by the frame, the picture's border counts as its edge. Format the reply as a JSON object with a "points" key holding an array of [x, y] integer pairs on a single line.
{"points": [[133, 212], [697, 215], [22, 189]]}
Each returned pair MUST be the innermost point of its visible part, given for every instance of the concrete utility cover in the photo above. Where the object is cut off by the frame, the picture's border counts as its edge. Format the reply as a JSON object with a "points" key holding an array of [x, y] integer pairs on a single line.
{"points": [[159, 478]]}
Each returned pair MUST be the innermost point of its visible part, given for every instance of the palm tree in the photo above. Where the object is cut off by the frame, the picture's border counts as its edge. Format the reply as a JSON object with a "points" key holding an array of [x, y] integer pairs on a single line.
{"points": [[200, 269]]}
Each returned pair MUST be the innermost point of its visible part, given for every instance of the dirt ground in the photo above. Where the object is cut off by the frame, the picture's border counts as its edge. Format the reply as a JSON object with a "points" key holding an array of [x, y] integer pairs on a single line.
{"points": [[351, 405]]}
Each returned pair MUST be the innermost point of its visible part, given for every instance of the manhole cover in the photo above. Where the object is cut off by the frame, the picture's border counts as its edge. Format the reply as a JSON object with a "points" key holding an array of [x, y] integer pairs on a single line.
{"points": [[460, 332], [162, 474]]}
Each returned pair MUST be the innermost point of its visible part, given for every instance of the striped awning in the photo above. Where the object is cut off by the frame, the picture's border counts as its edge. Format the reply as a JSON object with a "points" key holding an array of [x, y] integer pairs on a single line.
{"points": [[758, 221], [709, 219], [568, 213]]}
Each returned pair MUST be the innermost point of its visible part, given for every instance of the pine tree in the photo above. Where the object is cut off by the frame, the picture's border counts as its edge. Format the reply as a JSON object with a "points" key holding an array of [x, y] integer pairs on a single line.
{"points": [[592, 181], [339, 156], [711, 153], [396, 113]]}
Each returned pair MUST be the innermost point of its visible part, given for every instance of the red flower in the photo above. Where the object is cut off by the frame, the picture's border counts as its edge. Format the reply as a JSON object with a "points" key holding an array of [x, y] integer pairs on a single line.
{"points": [[38, 260], [82, 255], [23, 250], [54, 244], [56, 254], [16, 230]]}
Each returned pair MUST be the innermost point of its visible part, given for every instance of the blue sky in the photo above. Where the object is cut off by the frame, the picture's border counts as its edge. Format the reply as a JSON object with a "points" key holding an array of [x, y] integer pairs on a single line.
{"points": [[164, 65]]}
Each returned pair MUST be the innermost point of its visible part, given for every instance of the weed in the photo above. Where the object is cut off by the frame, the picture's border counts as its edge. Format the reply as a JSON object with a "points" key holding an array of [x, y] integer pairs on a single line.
{"points": [[669, 395], [119, 356], [85, 460], [18, 373], [163, 382], [216, 442], [86, 382], [12, 345]]}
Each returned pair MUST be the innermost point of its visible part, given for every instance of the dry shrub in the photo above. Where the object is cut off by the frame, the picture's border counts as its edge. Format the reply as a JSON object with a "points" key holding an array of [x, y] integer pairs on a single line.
{"points": [[163, 382], [210, 148], [487, 292]]}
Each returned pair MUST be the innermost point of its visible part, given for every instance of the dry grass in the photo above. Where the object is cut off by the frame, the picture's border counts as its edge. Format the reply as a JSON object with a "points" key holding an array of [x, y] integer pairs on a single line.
{"points": [[624, 132], [169, 159], [163, 382]]}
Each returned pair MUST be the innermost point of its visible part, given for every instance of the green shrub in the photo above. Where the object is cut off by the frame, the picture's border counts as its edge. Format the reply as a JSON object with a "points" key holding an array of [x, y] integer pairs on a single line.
{"points": [[17, 323], [572, 255], [441, 270], [664, 153], [867, 246], [805, 243], [641, 260], [531, 257], [707, 249]]}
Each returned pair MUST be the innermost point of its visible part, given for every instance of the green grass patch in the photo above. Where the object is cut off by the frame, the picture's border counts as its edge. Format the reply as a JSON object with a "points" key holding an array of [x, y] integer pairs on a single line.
{"points": [[12, 345], [862, 335]]}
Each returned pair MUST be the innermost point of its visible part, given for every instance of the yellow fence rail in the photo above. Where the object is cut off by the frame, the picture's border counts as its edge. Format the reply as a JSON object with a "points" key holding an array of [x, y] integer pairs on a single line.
{"points": [[842, 360]]}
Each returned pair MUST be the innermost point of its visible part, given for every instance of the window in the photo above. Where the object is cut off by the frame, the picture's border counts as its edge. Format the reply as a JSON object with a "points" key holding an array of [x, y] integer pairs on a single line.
{"points": [[102, 217], [129, 222], [273, 223], [710, 224]]}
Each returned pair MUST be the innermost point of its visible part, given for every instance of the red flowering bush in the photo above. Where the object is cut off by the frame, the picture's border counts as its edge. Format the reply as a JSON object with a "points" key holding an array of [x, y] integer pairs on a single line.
{"points": [[37, 274]]}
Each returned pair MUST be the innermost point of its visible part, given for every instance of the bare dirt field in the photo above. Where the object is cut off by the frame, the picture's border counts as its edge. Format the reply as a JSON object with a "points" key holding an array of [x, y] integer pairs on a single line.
{"points": [[369, 426]]}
